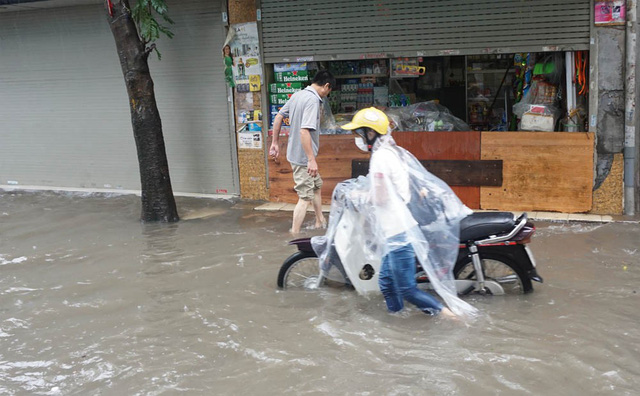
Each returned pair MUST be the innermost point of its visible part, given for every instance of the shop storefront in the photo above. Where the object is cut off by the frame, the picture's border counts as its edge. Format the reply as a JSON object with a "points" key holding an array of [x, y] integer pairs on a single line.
{"points": [[493, 96]]}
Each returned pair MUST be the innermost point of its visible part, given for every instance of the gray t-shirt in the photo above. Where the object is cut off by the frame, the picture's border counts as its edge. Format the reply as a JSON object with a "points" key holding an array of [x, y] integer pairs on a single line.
{"points": [[303, 110]]}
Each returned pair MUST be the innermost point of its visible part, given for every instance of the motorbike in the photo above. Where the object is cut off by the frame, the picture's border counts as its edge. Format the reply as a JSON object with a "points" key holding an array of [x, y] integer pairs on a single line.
{"points": [[494, 258]]}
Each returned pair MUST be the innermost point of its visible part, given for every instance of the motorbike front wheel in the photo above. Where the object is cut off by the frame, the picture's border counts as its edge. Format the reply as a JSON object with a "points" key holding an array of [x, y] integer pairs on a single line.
{"points": [[500, 269], [299, 271]]}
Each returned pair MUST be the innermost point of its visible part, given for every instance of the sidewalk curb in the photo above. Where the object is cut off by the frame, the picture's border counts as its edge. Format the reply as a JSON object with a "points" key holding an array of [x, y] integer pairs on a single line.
{"points": [[533, 215]]}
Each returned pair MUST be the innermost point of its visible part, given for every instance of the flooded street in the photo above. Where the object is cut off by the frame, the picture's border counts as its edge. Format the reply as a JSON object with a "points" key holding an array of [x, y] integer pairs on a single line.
{"points": [[93, 302]]}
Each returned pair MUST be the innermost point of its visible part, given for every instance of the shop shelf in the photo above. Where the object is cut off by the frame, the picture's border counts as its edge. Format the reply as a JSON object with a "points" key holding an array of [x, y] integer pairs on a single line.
{"points": [[361, 75], [489, 71]]}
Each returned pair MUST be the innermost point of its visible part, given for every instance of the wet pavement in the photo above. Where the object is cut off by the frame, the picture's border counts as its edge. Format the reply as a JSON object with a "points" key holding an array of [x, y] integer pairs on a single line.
{"points": [[93, 302]]}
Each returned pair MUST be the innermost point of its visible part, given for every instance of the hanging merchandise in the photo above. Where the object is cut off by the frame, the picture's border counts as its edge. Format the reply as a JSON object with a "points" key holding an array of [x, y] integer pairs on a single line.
{"points": [[520, 63], [575, 119], [581, 72]]}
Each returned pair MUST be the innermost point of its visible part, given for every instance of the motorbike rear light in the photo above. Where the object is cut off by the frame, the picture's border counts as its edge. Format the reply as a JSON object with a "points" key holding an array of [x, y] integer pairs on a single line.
{"points": [[525, 235]]}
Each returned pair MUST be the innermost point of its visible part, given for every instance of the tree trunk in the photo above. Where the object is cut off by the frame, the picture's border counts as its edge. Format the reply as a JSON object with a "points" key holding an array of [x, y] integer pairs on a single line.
{"points": [[158, 203]]}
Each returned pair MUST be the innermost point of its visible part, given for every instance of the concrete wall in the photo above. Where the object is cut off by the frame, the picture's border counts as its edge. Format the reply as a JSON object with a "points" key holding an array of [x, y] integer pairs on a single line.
{"points": [[611, 94], [611, 61]]}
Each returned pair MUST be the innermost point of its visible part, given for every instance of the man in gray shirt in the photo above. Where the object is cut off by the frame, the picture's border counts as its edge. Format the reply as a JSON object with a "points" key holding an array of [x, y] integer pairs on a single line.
{"points": [[303, 110]]}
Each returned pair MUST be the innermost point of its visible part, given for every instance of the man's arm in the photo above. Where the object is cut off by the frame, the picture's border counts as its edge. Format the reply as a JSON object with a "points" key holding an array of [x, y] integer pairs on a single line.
{"points": [[274, 151], [305, 139]]}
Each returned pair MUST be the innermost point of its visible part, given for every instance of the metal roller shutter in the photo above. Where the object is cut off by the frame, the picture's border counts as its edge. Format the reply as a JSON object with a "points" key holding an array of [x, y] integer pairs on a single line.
{"points": [[65, 118], [338, 29]]}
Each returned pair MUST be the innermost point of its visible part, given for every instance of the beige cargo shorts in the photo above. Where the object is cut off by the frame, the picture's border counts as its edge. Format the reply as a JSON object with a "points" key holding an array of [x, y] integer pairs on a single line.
{"points": [[305, 185]]}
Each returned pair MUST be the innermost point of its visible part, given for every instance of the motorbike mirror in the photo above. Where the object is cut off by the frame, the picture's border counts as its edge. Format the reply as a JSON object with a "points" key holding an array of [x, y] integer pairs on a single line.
{"points": [[361, 144]]}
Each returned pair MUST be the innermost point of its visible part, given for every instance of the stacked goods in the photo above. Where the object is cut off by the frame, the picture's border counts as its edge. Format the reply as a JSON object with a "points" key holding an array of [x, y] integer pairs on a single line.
{"points": [[289, 79], [285, 88], [292, 76], [273, 111], [279, 99]]}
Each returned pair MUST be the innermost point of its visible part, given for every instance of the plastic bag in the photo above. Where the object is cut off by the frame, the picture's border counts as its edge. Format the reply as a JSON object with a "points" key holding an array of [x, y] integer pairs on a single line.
{"points": [[543, 90], [328, 124], [428, 116]]}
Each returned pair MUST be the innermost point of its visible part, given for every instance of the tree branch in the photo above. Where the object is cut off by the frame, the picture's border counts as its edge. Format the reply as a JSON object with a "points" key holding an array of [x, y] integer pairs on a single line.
{"points": [[149, 50]]}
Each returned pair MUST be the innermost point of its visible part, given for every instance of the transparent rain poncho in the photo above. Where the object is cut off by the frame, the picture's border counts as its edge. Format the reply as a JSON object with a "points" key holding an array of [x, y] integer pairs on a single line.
{"points": [[397, 196]]}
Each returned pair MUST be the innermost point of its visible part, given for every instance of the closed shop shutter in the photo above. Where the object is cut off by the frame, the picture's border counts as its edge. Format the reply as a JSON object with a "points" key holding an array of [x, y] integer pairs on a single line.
{"points": [[65, 115], [338, 29]]}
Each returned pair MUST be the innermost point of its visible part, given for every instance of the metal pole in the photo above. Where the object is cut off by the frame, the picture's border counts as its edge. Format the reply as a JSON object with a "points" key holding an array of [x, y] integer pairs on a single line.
{"points": [[630, 107]]}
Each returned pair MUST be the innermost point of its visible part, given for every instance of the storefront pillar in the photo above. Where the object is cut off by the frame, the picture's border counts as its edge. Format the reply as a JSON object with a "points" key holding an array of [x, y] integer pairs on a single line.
{"points": [[630, 167], [607, 119], [251, 161]]}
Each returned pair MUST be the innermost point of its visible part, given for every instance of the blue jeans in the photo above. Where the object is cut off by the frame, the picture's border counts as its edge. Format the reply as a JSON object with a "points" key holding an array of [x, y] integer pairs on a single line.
{"points": [[397, 282]]}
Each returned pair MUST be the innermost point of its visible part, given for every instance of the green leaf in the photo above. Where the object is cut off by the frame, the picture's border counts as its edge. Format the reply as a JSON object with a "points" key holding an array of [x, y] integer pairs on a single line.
{"points": [[144, 14], [159, 5]]}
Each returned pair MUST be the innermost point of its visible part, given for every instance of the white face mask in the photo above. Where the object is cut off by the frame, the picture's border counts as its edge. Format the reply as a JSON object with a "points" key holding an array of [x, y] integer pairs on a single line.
{"points": [[361, 144]]}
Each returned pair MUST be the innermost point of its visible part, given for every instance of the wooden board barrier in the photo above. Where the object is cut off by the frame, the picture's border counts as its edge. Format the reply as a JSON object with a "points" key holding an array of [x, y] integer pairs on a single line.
{"points": [[337, 151], [334, 162], [453, 172], [545, 171], [446, 146]]}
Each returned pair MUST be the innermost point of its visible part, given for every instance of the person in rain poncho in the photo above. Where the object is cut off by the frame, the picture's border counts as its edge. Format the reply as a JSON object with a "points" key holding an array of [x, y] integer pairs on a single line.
{"points": [[412, 214]]}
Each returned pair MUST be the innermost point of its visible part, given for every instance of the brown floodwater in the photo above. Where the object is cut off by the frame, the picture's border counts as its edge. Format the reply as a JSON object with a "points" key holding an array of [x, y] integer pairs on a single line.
{"points": [[94, 302]]}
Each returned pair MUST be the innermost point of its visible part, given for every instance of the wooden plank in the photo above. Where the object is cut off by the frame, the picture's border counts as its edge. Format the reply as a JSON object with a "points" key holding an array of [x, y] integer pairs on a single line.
{"points": [[547, 171], [337, 151], [453, 172]]}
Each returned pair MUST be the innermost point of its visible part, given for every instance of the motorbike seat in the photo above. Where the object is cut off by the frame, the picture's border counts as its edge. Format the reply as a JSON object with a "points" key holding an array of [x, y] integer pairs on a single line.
{"points": [[480, 225]]}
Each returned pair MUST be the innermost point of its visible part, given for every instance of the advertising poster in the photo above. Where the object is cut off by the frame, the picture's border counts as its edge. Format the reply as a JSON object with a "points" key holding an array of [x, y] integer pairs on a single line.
{"points": [[250, 140], [610, 12], [250, 135], [246, 116], [406, 68], [245, 50]]}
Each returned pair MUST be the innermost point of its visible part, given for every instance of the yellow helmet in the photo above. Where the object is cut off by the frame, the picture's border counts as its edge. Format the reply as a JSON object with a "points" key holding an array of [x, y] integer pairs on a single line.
{"points": [[371, 118]]}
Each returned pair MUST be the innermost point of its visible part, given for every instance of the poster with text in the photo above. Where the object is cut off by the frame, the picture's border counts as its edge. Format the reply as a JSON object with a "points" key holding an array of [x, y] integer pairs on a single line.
{"points": [[610, 12], [250, 140], [245, 49]]}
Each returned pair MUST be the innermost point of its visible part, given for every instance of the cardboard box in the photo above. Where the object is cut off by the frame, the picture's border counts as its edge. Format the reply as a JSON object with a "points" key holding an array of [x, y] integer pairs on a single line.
{"points": [[537, 122], [274, 109], [285, 88], [289, 67], [292, 76], [380, 96], [279, 99]]}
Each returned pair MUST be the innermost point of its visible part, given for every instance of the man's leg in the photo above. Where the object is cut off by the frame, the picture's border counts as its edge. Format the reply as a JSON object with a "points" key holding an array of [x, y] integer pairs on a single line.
{"points": [[299, 213], [317, 207], [304, 188]]}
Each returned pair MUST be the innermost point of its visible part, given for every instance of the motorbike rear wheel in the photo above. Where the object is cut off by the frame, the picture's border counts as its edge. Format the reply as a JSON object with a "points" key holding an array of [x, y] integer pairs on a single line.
{"points": [[497, 268]]}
